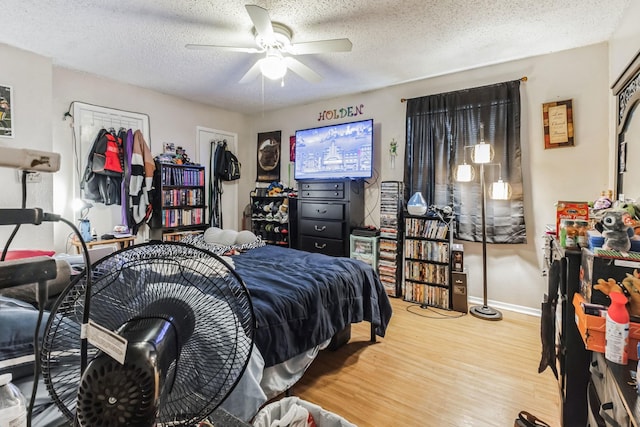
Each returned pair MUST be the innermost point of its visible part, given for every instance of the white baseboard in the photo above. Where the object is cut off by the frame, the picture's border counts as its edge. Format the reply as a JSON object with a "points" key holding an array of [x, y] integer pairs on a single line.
{"points": [[505, 306]]}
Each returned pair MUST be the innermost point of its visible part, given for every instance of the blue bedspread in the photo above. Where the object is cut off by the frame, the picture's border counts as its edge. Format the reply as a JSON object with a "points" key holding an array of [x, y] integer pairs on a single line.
{"points": [[302, 299]]}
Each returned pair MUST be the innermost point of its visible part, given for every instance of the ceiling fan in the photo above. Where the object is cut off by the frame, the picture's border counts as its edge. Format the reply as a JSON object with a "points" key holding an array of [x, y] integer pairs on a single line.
{"points": [[274, 40]]}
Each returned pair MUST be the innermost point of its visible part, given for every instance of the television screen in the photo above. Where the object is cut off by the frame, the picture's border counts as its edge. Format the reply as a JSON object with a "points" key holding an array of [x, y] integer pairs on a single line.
{"points": [[335, 152]]}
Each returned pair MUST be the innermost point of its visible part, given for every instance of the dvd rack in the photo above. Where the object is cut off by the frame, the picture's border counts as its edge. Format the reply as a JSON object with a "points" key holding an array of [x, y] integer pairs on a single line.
{"points": [[426, 259], [390, 248]]}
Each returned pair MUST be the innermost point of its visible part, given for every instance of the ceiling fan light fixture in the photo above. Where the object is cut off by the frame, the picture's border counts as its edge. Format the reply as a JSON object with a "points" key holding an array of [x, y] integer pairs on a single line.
{"points": [[273, 66], [280, 38]]}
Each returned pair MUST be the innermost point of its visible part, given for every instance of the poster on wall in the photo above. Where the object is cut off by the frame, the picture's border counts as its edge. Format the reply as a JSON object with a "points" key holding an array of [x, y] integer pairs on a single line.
{"points": [[268, 156], [6, 117]]}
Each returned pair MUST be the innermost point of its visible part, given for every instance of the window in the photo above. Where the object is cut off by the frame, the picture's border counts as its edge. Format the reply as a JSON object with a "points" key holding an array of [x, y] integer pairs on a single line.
{"points": [[438, 129]]}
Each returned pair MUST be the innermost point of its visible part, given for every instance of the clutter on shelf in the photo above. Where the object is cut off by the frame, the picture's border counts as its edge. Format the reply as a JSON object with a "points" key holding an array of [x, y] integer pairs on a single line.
{"points": [[178, 156]]}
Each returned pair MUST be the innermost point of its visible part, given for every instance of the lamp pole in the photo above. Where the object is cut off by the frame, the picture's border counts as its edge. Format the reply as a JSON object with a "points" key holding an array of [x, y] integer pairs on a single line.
{"points": [[484, 311]]}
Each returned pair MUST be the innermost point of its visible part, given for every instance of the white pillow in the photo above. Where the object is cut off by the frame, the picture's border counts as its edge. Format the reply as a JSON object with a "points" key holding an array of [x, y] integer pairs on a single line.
{"points": [[212, 234], [227, 237], [244, 237]]}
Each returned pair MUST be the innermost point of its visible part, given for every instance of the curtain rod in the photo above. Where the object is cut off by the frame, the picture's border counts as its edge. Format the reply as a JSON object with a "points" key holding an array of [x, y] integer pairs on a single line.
{"points": [[522, 79]]}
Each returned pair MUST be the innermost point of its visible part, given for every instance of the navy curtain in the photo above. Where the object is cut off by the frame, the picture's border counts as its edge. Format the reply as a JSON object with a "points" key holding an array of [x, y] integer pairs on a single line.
{"points": [[438, 129]]}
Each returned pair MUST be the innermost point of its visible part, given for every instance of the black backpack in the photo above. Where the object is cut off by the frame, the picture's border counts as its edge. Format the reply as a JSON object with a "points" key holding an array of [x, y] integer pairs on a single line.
{"points": [[227, 164], [102, 178]]}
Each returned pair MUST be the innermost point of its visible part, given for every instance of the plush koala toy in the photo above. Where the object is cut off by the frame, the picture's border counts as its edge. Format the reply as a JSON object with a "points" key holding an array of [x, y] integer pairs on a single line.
{"points": [[614, 229]]}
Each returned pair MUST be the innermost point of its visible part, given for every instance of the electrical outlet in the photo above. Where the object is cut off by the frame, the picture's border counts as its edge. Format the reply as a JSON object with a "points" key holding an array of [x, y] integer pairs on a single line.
{"points": [[33, 177]]}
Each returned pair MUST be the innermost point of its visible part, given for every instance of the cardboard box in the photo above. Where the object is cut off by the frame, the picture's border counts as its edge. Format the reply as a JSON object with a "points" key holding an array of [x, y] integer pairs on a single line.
{"points": [[570, 210], [592, 329], [594, 267]]}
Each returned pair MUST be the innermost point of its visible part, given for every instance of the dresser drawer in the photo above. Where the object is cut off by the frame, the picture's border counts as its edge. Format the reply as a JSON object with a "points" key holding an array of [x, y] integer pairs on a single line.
{"points": [[322, 186], [320, 245], [322, 211], [328, 229], [319, 194]]}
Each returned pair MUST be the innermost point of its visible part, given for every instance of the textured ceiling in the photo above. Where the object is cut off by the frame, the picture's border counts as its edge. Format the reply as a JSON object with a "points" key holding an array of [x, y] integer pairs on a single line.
{"points": [[141, 42]]}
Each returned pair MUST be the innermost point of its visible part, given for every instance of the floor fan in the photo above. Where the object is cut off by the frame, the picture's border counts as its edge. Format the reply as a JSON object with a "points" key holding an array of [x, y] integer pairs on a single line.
{"points": [[188, 321]]}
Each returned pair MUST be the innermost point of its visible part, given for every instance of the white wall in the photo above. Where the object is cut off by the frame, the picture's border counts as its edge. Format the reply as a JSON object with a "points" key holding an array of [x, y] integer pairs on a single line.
{"points": [[171, 119], [30, 77], [571, 173], [43, 93]]}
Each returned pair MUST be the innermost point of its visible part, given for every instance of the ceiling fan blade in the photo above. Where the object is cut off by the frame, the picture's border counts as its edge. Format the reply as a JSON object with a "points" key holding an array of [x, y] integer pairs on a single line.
{"points": [[261, 21], [321, 46], [302, 70], [251, 74], [227, 48]]}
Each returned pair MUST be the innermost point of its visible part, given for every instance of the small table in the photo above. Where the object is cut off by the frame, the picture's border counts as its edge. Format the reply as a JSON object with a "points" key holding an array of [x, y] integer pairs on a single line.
{"points": [[122, 242]]}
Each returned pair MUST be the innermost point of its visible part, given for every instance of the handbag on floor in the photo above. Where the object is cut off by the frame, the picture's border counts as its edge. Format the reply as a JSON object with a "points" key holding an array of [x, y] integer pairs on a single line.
{"points": [[525, 419]]}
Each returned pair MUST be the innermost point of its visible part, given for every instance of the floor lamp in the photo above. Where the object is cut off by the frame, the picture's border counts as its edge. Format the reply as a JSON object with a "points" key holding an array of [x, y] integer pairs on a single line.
{"points": [[482, 154]]}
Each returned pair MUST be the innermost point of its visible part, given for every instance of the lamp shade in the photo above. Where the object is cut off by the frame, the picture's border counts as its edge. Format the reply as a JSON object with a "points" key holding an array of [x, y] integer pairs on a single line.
{"points": [[465, 173], [482, 153], [79, 204], [500, 190], [273, 66]]}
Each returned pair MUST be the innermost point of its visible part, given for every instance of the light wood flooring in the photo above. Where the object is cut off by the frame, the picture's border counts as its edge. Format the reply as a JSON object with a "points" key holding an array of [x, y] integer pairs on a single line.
{"points": [[436, 369]]}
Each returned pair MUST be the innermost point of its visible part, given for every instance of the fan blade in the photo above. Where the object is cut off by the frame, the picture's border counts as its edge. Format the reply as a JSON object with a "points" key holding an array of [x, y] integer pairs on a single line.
{"points": [[321, 46], [251, 74], [227, 48], [261, 21], [302, 70]]}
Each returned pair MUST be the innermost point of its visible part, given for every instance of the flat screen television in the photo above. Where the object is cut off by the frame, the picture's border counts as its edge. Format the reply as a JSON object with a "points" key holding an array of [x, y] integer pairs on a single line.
{"points": [[338, 151]]}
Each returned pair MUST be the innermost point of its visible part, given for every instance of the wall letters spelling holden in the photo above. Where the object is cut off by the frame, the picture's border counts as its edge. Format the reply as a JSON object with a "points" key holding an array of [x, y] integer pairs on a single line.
{"points": [[341, 113]]}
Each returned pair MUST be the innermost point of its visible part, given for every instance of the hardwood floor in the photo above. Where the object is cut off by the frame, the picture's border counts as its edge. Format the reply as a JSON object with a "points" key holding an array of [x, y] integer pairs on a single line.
{"points": [[435, 369]]}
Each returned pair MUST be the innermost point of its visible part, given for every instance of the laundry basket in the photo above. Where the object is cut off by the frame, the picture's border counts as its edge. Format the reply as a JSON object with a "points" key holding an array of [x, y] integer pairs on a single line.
{"points": [[293, 411]]}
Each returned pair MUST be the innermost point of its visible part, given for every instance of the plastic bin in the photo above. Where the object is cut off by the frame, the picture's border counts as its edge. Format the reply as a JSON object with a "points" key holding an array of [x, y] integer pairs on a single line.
{"points": [[292, 411]]}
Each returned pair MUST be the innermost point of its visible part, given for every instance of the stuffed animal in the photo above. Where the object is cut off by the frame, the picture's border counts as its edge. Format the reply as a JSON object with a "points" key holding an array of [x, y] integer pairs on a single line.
{"points": [[284, 211], [631, 285], [606, 287], [634, 215], [274, 189], [614, 229], [601, 203]]}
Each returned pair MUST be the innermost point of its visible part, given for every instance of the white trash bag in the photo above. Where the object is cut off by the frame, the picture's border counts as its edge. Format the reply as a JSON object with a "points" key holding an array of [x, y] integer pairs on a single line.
{"points": [[295, 412]]}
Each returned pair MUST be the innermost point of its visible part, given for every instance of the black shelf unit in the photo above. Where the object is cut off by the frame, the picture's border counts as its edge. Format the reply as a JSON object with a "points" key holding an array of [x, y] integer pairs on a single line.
{"points": [[572, 358], [273, 223], [426, 261], [179, 205]]}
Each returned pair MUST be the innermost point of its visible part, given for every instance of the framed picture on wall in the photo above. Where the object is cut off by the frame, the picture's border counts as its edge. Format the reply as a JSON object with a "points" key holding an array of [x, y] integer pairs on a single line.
{"points": [[268, 156], [292, 148], [557, 118], [6, 113]]}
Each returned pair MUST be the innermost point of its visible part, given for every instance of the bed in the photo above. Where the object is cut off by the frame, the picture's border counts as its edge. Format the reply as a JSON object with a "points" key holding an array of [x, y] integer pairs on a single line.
{"points": [[301, 300]]}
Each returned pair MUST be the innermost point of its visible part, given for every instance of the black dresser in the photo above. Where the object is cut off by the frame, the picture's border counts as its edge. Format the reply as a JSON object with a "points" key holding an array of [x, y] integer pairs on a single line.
{"points": [[327, 212]]}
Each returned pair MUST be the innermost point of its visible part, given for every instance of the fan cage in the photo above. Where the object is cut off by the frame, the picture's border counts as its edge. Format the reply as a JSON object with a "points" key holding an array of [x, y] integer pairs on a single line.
{"points": [[123, 284]]}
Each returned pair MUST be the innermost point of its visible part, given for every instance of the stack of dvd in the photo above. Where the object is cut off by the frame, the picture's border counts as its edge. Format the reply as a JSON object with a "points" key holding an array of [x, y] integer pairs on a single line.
{"points": [[391, 193]]}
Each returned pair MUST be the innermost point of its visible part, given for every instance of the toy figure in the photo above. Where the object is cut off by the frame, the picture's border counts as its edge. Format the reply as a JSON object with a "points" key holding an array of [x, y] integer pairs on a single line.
{"points": [[614, 229]]}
